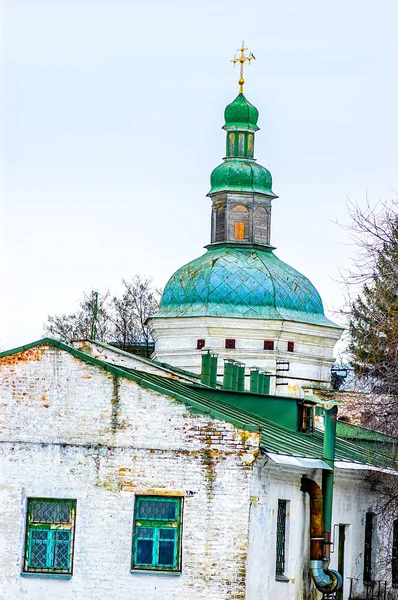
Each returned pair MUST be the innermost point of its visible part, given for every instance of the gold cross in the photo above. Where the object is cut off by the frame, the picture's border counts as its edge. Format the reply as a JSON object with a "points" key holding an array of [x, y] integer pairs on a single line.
{"points": [[242, 59]]}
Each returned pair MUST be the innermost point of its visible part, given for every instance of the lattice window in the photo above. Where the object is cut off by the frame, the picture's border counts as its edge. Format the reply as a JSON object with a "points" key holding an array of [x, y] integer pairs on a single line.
{"points": [[157, 533], [367, 570], [49, 536], [394, 561], [281, 538]]}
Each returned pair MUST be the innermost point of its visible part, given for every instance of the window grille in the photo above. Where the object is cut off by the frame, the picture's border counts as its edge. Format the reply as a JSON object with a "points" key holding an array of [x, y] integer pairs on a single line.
{"points": [[268, 344], [49, 536], [367, 571], [394, 561], [157, 533], [281, 537]]}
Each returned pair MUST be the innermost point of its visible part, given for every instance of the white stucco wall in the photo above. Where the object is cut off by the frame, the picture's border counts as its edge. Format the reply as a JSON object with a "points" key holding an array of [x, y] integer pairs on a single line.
{"points": [[309, 364], [70, 430], [352, 499]]}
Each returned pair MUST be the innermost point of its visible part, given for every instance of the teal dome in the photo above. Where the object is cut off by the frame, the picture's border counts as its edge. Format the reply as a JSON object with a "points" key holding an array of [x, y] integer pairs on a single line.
{"points": [[241, 175], [240, 113], [241, 282]]}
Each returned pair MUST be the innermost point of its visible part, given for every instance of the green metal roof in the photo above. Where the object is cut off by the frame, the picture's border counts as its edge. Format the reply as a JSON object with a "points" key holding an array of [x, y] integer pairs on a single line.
{"points": [[242, 175], [240, 113], [274, 438], [241, 282], [357, 432]]}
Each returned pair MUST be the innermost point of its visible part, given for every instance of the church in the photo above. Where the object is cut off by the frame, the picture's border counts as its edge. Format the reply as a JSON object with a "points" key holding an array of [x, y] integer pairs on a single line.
{"points": [[218, 469]]}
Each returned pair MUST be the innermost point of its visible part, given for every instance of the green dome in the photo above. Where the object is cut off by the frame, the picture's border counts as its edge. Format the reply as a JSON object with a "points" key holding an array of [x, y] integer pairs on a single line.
{"points": [[241, 175], [241, 282], [241, 113]]}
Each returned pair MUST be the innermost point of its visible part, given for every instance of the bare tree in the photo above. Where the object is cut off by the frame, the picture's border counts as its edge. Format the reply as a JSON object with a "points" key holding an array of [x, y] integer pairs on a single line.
{"points": [[130, 313], [117, 320], [92, 319]]}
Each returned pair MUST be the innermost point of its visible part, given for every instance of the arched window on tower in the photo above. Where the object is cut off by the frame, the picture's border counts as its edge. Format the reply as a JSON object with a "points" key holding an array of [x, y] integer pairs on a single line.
{"points": [[239, 223], [250, 145], [241, 144], [261, 225], [231, 144], [220, 224]]}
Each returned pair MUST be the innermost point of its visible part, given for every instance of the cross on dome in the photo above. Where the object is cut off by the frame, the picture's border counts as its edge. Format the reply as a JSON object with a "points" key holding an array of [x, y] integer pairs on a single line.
{"points": [[242, 59]]}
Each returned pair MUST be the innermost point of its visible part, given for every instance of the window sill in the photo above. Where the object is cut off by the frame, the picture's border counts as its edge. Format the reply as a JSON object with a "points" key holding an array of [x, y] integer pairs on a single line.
{"points": [[282, 578], [47, 575], [155, 572]]}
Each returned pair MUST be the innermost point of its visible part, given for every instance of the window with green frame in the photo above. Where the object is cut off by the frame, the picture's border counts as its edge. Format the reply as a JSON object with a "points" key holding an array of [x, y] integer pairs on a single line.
{"points": [[157, 533], [50, 528]]}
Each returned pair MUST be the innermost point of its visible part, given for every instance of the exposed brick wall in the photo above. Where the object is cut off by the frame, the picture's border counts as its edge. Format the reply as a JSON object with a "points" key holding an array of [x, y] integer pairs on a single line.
{"points": [[70, 430]]}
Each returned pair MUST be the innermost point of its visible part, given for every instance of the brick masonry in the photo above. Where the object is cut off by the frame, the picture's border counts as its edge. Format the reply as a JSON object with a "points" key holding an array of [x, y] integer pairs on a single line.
{"points": [[71, 430]]}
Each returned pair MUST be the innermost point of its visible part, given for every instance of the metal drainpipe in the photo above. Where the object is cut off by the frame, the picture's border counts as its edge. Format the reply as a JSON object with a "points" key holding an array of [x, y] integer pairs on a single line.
{"points": [[324, 578], [329, 443]]}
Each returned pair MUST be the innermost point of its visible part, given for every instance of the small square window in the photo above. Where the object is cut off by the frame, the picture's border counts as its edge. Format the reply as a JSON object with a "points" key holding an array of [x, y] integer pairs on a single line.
{"points": [[200, 344], [306, 415], [268, 344], [230, 344], [290, 346], [157, 533], [49, 536]]}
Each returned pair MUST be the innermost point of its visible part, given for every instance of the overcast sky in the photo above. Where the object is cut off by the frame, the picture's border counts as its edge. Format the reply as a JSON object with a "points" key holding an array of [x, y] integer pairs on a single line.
{"points": [[111, 124]]}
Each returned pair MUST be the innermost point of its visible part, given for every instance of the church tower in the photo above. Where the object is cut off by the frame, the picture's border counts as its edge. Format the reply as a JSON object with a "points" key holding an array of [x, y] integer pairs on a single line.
{"points": [[239, 299], [241, 191]]}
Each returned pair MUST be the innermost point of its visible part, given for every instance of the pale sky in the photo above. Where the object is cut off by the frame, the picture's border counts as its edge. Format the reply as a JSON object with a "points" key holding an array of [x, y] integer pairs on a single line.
{"points": [[111, 125]]}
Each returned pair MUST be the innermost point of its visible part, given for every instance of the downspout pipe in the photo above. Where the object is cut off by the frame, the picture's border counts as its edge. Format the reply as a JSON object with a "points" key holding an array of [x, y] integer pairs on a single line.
{"points": [[329, 444], [325, 580]]}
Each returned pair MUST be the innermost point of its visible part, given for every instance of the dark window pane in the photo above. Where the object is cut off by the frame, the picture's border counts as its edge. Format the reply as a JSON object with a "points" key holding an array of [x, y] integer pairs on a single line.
{"points": [[38, 557], [144, 552], [200, 344], [367, 571], [39, 535], [167, 534], [290, 346], [157, 509], [230, 344], [280, 537], [268, 344], [166, 553], [50, 512], [394, 564], [145, 532], [61, 555]]}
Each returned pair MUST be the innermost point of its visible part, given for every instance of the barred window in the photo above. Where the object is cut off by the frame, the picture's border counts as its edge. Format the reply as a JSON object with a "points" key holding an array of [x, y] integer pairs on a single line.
{"points": [[157, 533], [49, 536], [394, 561], [368, 552], [281, 538]]}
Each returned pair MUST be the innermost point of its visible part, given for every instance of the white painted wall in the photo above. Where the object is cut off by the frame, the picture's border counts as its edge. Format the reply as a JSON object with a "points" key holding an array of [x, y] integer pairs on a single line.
{"points": [[309, 364], [69, 431], [352, 499]]}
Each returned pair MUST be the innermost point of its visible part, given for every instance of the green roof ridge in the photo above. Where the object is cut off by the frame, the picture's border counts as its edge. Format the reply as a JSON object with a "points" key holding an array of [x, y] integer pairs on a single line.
{"points": [[274, 438]]}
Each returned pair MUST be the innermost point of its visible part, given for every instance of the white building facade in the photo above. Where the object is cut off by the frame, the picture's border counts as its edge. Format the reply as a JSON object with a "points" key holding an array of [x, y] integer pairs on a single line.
{"points": [[80, 432]]}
